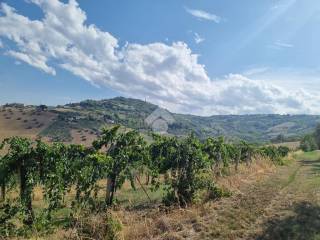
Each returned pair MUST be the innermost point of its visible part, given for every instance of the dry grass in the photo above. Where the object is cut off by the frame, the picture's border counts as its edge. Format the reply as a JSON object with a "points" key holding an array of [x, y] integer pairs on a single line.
{"points": [[26, 122], [291, 145], [246, 174], [159, 223]]}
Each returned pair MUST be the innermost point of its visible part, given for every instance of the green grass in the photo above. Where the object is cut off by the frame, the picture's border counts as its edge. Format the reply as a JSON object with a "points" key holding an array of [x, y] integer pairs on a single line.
{"points": [[136, 198], [312, 156], [292, 177]]}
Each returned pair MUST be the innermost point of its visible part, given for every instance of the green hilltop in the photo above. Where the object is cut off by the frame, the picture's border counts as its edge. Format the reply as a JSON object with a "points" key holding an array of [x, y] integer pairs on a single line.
{"points": [[131, 113]]}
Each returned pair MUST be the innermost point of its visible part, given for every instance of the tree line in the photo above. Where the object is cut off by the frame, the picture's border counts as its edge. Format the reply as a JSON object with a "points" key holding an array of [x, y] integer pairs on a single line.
{"points": [[183, 167]]}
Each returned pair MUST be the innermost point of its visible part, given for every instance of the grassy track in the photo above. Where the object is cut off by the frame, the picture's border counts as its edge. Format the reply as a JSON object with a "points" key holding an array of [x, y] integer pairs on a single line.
{"points": [[285, 205]]}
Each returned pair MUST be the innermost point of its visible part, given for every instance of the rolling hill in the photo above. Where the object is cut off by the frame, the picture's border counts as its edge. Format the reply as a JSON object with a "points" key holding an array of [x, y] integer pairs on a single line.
{"points": [[81, 122]]}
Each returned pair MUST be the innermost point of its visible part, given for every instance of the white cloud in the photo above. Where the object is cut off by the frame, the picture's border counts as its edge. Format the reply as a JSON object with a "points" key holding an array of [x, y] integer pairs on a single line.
{"points": [[198, 39], [169, 75], [36, 60], [278, 45], [284, 45], [1, 44], [203, 15], [255, 70]]}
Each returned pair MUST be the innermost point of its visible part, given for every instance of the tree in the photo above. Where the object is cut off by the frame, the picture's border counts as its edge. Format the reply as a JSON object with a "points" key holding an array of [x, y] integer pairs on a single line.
{"points": [[41, 108], [163, 152], [308, 143], [218, 154], [55, 172], [19, 160], [280, 138], [190, 162], [123, 151], [283, 151], [184, 164], [4, 177], [246, 152], [88, 166]]}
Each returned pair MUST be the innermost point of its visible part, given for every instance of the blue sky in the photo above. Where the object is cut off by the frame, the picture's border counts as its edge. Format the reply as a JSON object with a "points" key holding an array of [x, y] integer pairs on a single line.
{"points": [[201, 57]]}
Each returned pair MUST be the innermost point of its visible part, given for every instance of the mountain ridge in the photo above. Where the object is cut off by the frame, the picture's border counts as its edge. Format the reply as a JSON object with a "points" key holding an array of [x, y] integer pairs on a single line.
{"points": [[91, 115]]}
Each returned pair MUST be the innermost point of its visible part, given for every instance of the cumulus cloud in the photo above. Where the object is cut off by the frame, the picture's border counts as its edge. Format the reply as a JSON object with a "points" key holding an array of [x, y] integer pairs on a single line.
{"points": [[168, 75], [203, 15]]}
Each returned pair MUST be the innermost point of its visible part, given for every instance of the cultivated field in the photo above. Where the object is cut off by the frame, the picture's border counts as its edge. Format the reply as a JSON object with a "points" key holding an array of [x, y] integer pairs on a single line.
{"points": [[23, 122]]}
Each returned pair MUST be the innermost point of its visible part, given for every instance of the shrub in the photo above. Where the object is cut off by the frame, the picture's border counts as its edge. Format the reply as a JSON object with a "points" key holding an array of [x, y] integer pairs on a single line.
{"points": [[308, 143], [283, 151]]}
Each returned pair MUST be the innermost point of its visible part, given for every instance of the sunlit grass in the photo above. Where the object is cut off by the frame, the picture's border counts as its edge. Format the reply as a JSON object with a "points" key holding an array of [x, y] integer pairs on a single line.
{"points": [[315, 155]]}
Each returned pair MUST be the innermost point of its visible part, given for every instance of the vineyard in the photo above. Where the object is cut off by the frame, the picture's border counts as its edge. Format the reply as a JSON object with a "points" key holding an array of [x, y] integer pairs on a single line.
{"points": [[183, 168]]}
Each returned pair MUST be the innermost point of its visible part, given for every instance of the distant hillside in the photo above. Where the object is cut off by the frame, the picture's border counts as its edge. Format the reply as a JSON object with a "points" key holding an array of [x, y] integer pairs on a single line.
{"points": [[81, 122]]}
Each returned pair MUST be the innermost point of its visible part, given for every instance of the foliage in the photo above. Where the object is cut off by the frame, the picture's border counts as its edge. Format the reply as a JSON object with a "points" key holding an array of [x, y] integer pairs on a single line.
{"points": [[124, 152], [283, 151], [308, 143], [20, 160], [187, 164], [132, 112], [184, 167], [317, 135], [217, 151], [276, 154], [311, 142]]}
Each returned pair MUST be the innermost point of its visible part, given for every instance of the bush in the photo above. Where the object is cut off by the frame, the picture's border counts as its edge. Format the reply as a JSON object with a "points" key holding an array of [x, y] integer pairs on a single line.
{"points": [[283, 151], [308, 143]]}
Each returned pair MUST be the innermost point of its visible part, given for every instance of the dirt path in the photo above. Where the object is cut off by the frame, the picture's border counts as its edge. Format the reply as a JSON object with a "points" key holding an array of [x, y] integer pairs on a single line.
{"points": [[285, 205]]}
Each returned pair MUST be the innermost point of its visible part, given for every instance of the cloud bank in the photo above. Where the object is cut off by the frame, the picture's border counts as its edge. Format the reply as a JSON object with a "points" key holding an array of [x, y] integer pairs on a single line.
{"points": [[168, 75]]}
